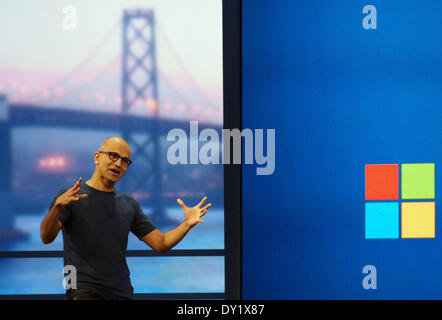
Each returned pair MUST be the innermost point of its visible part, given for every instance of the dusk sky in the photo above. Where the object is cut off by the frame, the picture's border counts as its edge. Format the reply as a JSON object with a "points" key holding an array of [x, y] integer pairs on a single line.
{"points": [[37, 52]]}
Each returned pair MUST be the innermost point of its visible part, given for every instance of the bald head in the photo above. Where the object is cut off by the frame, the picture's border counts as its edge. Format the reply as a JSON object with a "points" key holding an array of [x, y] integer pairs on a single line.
{"points": [[112, 142]]}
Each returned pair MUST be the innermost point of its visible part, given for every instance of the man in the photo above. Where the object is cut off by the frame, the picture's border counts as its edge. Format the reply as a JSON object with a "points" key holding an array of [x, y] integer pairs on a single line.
{"points": [[96, 219]]}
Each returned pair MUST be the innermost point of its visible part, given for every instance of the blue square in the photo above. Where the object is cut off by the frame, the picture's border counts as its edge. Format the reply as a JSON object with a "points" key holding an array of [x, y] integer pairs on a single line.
{"points": [[381, 220]]}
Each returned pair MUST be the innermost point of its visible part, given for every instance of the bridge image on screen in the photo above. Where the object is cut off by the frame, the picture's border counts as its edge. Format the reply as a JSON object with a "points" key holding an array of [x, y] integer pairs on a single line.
{"points": [[122, 72]]}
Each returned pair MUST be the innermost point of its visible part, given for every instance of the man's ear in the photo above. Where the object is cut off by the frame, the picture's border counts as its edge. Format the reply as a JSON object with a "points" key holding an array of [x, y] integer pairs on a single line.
{"points": [[96, 157]]}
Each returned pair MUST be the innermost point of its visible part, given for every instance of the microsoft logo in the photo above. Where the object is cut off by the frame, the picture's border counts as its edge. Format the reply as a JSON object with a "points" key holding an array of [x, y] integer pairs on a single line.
{"points": [[385, 214]]}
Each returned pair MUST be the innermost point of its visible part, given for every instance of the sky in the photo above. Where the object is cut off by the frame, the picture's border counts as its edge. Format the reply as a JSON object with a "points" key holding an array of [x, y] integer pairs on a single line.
{"points": [[37, 52]]}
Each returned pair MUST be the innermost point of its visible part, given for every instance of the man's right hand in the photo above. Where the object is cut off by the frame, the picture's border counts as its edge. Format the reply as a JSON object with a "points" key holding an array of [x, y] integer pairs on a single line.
{"points": [[70, 195]]}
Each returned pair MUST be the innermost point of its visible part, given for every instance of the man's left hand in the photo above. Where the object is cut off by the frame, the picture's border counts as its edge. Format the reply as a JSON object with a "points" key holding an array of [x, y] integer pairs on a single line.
{"points": [[193, 215]]}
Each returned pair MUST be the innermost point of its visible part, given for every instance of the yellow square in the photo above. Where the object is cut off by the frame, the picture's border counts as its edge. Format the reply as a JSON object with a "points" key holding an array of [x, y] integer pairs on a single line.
{"points": [[418, 219]]}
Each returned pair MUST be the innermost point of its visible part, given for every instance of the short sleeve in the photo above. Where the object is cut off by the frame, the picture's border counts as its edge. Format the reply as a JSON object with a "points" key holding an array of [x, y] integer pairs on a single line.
{"points": [[141, 224], [65, 213]]}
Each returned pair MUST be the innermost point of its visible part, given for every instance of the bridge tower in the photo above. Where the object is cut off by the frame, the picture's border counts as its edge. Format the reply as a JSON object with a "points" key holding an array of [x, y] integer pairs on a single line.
{"points": [[140, 88]]}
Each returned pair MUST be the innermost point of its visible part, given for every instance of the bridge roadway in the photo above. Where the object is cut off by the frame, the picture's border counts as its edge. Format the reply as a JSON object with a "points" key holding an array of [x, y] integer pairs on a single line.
{"points": [[21, 115]]}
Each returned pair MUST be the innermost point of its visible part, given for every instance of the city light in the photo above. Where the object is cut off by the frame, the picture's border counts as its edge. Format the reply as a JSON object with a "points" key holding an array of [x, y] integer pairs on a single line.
{"points": [[52, 163]]}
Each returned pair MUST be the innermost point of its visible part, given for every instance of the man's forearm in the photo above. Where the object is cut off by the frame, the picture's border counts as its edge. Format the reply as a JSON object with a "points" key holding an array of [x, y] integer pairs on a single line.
{"points": [[50, 225], [172, 237]]}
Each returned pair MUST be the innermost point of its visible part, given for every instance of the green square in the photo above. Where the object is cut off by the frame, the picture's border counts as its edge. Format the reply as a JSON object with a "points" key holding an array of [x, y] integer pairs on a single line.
{"points": [[418, 181]]}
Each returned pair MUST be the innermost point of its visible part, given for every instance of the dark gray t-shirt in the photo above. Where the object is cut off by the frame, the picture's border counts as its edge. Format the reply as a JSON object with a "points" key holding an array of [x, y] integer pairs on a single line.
{"points": [[95, 234]]}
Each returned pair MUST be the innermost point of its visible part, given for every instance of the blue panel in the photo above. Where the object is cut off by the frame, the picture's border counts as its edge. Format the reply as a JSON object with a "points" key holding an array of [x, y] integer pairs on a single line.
{"points": [[339, 97], [148, 275], [31, 276], [177, 274]]}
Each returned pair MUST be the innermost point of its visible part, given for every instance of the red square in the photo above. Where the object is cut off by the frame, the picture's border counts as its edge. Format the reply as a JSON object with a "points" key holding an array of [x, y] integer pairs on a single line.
{"points": [[381, 182]]}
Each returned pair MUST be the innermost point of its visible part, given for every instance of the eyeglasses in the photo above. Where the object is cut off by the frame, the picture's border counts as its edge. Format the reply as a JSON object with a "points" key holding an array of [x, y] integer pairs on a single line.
{"points": [[115, 156]]}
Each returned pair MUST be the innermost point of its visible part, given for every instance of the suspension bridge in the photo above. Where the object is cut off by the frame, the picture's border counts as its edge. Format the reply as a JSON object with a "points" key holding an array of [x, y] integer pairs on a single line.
{"points": [[148, 104]]}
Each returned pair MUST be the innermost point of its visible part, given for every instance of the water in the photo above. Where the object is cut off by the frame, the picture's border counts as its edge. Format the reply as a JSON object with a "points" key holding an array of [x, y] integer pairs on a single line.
{"points": [[206, 235]]}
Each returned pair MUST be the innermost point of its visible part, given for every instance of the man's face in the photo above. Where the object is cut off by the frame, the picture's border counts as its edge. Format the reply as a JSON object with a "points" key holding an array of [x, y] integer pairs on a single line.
{"points": [[110, 169]]}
